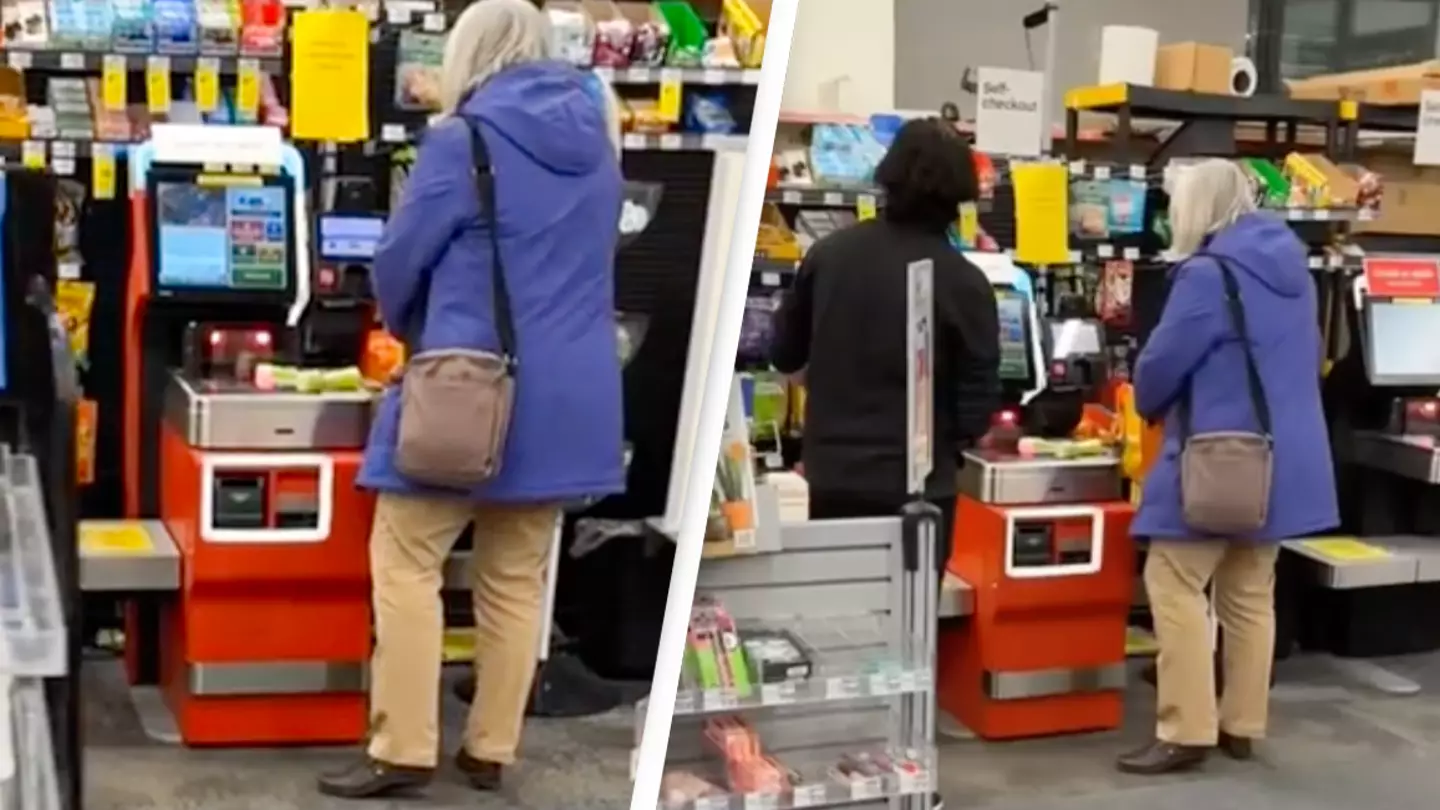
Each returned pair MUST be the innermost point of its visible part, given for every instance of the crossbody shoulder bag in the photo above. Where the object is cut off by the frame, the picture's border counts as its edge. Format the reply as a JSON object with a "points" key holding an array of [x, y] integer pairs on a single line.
{"points": [[1225, 476], [456, 404]]}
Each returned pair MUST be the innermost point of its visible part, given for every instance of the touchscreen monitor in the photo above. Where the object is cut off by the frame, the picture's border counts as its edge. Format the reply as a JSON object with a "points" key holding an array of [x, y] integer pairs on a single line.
{"points": [[1403, 343], [222, 237], [1015, 348], [350, 237]]}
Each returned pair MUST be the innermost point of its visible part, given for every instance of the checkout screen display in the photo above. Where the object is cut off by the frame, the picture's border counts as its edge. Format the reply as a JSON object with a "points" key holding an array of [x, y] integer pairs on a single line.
{"points": [[348, 238], [1014, 336], [1404, 343], [222, 237]]}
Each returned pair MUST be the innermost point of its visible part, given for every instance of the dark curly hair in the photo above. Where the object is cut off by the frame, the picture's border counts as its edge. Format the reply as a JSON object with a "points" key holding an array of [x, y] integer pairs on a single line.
{"points": [[928, 172]]}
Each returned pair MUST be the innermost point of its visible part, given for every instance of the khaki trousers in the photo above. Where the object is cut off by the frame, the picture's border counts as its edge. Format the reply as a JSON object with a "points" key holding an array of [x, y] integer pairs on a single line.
{"points": [[411, 538], [1177, 573]]}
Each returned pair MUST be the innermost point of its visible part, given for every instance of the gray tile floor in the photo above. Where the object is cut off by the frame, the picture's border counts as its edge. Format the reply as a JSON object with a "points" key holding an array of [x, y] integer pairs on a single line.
{"points": [[1335, 744]]}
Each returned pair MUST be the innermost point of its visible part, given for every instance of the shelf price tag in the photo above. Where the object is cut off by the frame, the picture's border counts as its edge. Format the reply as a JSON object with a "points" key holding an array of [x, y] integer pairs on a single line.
{"points": [[883, 684], [865, 207], [114, 82], [157, 84], [433, 22], [842, 687], [721, 802], [777, 694], [247, 90], [72, 61], [684, 702], [808, 796], [102, 171], [913, 778], [32, 154], [19, 60], [762, 801], [718, 700], [671, 84], [207, 84], [866, 788]]}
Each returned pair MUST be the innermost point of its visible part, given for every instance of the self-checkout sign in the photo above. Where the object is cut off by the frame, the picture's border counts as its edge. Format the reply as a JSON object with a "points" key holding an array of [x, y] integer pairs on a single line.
{"points": [[1402, 278]]}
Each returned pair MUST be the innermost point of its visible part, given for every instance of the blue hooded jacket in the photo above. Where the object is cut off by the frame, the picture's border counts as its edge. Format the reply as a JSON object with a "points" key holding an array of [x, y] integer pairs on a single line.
{"points": [[1196, 343], [558, 191]]}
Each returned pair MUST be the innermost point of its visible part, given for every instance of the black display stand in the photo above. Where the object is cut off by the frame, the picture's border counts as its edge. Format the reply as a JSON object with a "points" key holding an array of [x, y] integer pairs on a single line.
{"points": [[40, 403]]}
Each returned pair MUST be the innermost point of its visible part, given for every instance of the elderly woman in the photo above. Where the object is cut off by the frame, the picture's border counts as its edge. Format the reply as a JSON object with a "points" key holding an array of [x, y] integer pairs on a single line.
{"points": [[1197, 356], [552, 137]]}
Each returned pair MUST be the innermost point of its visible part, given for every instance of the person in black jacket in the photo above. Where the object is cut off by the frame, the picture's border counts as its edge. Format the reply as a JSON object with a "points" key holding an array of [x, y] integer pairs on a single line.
{"points": [[844, 321]]}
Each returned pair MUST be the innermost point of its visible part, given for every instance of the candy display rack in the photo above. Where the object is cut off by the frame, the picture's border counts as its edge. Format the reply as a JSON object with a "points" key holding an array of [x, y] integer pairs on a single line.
{"points": [[858, 595]]}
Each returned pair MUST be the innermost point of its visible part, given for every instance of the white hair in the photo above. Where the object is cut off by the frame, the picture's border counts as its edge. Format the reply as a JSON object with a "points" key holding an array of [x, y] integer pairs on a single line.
{"points": [[1208, 197], [491, 35]]}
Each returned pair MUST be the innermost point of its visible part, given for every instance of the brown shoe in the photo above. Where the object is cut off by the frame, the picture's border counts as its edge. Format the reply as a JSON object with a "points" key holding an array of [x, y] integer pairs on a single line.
{"points": [[1238, 748], [481, 775], [1161, 757], [372, 779]]}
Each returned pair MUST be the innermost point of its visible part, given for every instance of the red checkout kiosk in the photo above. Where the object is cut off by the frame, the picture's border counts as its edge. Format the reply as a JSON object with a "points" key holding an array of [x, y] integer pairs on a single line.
{"points": [[1042, 538], [267, 637]]}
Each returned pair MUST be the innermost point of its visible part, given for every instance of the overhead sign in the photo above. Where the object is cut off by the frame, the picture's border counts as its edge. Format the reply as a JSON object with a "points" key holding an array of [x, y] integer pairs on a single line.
{"points": [[1402, 278], [1009, 112]]}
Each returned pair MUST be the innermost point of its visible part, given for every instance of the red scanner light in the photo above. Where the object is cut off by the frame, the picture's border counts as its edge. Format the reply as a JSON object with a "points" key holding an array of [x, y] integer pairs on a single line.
{"points": [[261, 339]]}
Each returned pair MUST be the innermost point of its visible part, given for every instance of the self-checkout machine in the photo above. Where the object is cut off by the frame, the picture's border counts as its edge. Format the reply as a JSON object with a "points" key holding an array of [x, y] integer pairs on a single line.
{"points": [[253, 489], [1043, 540], [1364, 595]]}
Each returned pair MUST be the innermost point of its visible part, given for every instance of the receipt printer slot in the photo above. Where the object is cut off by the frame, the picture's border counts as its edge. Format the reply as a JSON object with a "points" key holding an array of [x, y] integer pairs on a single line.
{"points": [[1034, 545], [239, 500]]}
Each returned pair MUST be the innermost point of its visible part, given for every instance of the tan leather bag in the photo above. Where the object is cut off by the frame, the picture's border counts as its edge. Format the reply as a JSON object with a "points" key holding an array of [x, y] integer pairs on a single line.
{"points": [[1225, 476], [456, 404]]}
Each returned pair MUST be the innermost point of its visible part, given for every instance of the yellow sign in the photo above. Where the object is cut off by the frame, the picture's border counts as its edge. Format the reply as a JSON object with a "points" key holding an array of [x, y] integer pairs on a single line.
{"points": [[102, 171], [1042, 214], [32, 154], [865, 207], [207, 85], [157, 84], [330, 76], [247, 91], [115, 537], [1345, 549], [669, 103], [115, 82]]}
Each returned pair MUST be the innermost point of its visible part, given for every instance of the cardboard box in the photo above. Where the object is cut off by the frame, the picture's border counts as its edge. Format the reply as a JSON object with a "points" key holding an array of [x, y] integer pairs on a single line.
{"points": [[1401, 85], [1194, 66], [1409, 210]]}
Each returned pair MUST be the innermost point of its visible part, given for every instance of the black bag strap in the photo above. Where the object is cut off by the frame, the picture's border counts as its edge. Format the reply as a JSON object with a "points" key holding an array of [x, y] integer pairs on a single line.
{"points": [[489, 215], [1236, 309]]}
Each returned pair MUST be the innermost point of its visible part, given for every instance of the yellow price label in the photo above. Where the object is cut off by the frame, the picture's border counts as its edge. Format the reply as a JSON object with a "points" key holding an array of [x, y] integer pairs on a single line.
{"points": [[32, 154], [157, 84], [115, 537], [207, 84], [969, 224], [1346, 549], [114, 82], [247, 90], [671, 90], [865, 207], [102, 171]]}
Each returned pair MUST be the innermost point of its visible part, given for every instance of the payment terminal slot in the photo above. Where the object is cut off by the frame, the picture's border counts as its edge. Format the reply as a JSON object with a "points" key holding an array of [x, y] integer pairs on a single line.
{"points": [[343, 313]]}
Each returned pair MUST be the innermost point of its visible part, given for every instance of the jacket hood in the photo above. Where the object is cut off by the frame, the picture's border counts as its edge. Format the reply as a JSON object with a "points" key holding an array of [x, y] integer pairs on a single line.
{"points": [[546, 110], [1267, 249]]}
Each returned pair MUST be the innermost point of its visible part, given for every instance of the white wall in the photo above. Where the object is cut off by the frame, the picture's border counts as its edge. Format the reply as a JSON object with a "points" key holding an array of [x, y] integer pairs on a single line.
{"points": [[842, 58], [937, 39]]}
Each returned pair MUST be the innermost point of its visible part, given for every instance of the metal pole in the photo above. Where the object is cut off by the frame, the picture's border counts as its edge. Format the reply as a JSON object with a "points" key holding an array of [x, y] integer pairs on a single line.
{"points": [[1052, 46]]}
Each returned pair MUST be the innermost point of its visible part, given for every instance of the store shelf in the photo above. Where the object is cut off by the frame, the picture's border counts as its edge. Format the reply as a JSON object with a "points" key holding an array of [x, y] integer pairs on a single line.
{"points": [[817, 785], [82, 61], [823, 196], [689, 76], [850, 660], [31, 621], [400, 133], [1151, 102], [23, 716]]}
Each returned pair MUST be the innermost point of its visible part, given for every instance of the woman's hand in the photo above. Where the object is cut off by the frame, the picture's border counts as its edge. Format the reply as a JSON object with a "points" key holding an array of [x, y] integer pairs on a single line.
{"points": [[423, 86]]}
